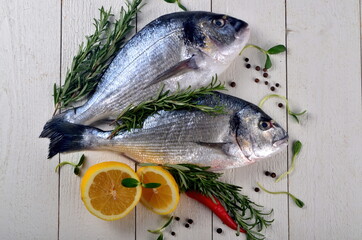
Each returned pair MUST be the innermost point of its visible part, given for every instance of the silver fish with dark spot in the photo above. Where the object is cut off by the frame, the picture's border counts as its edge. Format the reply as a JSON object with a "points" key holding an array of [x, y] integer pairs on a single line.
{"points": [[185, 48], [243, 135]]}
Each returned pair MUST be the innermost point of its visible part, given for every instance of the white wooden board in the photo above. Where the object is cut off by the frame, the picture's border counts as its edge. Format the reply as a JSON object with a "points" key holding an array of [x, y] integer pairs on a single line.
{"points": [[324, 77], [321, 73], [29, 60]]}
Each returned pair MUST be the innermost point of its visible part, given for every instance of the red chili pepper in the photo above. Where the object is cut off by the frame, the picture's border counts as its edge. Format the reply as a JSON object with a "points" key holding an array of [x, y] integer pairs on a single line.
{"points": [[216, 207]]}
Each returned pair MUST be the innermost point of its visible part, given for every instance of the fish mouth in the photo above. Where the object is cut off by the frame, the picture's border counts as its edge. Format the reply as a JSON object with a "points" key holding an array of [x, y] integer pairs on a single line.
{"points": [[243, 34], [281, 142]]}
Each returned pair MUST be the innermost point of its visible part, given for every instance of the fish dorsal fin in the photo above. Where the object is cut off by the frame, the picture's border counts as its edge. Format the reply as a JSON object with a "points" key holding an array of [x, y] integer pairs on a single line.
{"points": [[179, 68]]}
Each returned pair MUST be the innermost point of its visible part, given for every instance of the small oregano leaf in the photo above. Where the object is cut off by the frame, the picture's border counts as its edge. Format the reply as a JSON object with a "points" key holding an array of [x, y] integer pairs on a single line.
{"points": [[297, 146], [277, 49], [181, 6], [268, 63], [76, 171], [130, 182], [151, 185], [299, 202], [81, 161]]}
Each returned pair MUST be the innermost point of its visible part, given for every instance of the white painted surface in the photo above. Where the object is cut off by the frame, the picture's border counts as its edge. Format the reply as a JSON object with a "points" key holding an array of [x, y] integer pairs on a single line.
{"points": [[320, 73]]}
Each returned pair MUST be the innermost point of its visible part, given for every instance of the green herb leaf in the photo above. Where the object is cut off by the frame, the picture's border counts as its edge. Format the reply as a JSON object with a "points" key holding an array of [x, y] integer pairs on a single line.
{"points": [[151, 185], [181, 6], [277, 49], [178, 4], [293, 114], [274, 50], [160, 237], [130, 183], [81, 160], [76, 171], [134, 116], [297, 201], [268, 63], [297, 146]]}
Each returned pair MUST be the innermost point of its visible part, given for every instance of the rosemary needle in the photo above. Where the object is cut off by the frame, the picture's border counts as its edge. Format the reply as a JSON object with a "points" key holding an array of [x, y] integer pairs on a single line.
{"points": [[247, 214], [95, 55]]}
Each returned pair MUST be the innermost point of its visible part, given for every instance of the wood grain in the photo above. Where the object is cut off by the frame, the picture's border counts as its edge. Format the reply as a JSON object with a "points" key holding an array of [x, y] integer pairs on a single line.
{"points": [[324, 77], [267, 29], [29, 59], [75, 221], [320, 73], [202, 227]]}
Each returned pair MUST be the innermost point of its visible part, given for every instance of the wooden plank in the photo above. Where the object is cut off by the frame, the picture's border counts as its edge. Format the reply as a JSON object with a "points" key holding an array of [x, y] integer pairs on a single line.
{"points": [[188, 208], [266, 21], [75, 221], [29, 63], [324, 77]]}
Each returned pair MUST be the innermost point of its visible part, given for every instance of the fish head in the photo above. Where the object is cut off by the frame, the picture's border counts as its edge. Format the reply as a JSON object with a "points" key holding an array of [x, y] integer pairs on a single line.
{"points": [[257, 135], [220, 37]]}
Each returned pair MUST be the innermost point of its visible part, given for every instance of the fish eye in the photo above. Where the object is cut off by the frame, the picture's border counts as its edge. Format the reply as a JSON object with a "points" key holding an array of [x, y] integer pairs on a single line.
{"points": [[219, 22], [265, 125]]}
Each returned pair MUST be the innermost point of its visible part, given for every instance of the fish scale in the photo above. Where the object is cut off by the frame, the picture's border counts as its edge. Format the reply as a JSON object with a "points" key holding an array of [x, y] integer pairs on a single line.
{"points": [[240, 136], [176, 50]]}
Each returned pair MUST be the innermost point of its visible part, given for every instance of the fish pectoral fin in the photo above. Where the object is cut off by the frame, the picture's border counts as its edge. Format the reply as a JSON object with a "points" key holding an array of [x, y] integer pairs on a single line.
{"points": [[181, 67], [221, 146]]}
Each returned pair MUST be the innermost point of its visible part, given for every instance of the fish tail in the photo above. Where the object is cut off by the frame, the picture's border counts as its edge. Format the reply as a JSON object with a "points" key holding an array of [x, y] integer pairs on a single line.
{"points": [[65, 136]]}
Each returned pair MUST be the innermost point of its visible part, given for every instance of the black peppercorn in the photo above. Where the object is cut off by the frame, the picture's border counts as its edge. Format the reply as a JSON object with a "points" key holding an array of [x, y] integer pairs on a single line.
{"points": [[173, 233], [265, 70], [246, 59], [232, 84], [257, 68], [190, 221], [280, 105], [219, 230], [266, 82], [273, 175], [265, 75], [267, 173], [187, 225], [256, 80], [277, 85], [177, 218], [256, 189], [272, 88], [248, 65]]}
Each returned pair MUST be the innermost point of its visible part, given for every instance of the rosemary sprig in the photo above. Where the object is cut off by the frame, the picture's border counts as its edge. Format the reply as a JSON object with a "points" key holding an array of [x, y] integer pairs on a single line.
{"points": [[293, 114], [271, 51], [95, 55], [247, 214], [134, 116], [297, 201], [297, 146]]}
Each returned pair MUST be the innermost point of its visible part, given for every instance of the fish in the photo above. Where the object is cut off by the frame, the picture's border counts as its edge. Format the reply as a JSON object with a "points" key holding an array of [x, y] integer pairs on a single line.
{"points": [[242, 135], [176, 51]]}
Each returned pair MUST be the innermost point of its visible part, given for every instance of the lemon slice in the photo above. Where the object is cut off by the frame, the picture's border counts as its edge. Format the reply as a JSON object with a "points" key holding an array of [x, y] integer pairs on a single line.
{"points": [[164, 199], [103, 194]]}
